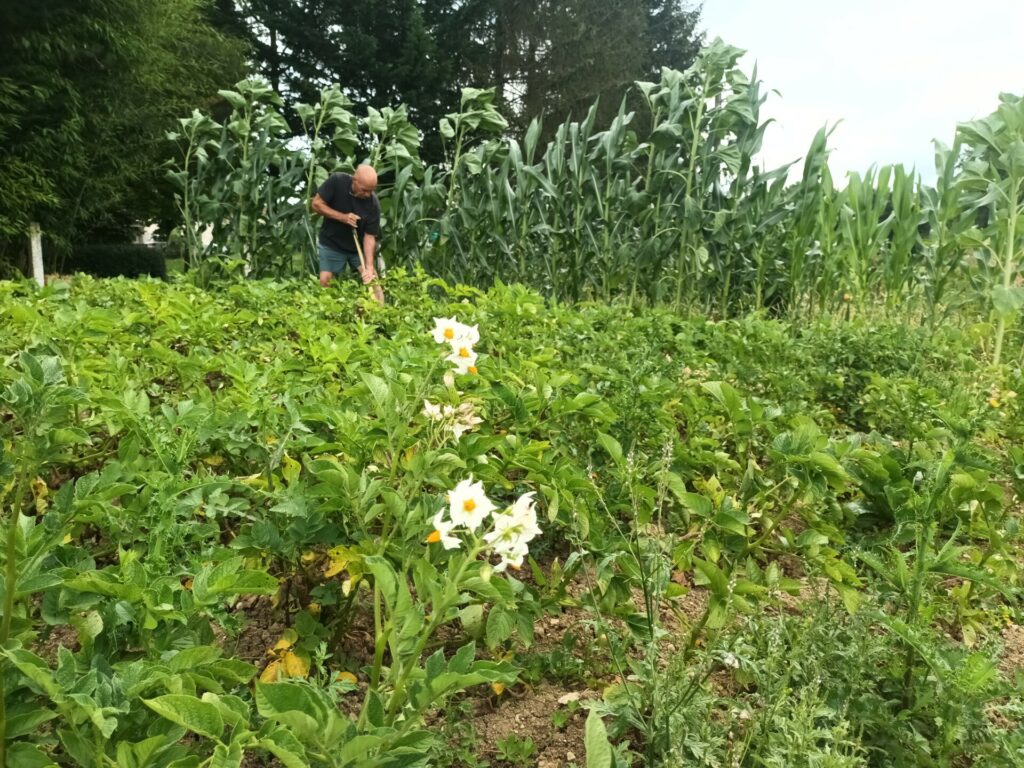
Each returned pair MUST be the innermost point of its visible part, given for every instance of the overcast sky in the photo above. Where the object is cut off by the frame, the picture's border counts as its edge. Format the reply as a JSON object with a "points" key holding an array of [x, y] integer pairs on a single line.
{"points": [[897, 73]]}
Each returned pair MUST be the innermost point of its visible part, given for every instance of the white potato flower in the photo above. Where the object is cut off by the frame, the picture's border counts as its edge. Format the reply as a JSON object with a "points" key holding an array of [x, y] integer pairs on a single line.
{"points": [[465, 420], [469, 505], [446, 329], [512, 532], [464, 359], [443, 532], [432, 411]]}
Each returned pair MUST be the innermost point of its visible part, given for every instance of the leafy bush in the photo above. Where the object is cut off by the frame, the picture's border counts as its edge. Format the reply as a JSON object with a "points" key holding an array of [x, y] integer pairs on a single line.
{"points": [[822, 688]]}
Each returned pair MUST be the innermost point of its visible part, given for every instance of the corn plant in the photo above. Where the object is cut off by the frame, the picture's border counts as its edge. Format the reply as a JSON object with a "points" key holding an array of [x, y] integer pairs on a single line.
{"points": [[992, 184], [946, 222], [195, 135]]}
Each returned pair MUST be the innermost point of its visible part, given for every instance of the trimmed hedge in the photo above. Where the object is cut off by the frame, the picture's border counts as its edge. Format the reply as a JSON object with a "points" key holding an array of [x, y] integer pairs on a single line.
{"points": [[119, 259]]}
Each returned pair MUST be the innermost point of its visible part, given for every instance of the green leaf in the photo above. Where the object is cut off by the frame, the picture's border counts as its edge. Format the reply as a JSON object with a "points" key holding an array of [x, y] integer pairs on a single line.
{"points": [[37, 583], [233, 709], [193, 657], [285, 747], [374, 709], [699, 505], [26, 755], [732, 520], [226, 579], [233, 98], [36, 670], [189, 712], [226, 756], [273, 699], [714, 577], [385, 578], [851, 597], [379, 391], [140, 754], [1007, 301], [500, 625], [599, 749], [611, 446], [294, 706], [24, 717]]}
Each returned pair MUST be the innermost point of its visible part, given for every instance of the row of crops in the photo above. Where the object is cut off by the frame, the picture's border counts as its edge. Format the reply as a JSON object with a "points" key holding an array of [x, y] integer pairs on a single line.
{"points": [[277, 525], [666, 204]]}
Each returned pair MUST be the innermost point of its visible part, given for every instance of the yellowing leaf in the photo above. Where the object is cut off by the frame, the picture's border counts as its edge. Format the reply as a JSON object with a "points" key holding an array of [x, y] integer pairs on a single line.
{"points": [[213, 461], [271, 673], [290, 469], [254, 481], [40, 492], [288, 639], [295, 664], [346, 677], [343, 558], [498, 688]]}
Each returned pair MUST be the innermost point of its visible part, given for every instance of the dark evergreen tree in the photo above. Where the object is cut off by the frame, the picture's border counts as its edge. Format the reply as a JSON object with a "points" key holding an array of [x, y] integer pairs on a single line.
{"points": [[549, 57], [88, 90]]}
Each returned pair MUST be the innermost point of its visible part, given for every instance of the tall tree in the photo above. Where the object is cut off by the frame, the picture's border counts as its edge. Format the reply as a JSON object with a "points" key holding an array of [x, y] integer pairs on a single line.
{"points": [[380, 52], [555, 57], [551, 57], [88, 89]]}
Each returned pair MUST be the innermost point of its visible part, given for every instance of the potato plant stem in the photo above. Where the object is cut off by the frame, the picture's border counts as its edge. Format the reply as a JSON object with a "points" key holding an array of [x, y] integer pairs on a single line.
{"points": [[451, 598], [1008, 269]]}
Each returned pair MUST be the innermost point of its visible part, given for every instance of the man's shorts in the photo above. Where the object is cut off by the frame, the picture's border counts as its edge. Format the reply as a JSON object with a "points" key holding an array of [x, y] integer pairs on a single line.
{"points": [[335, 261]]}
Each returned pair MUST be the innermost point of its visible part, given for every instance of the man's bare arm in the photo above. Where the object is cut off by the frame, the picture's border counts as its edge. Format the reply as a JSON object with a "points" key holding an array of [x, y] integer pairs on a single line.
{"points": [[322, 208], [369, 251]]}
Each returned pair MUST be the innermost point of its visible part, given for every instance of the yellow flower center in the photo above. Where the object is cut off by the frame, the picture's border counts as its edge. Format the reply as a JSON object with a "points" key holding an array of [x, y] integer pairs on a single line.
{"points": [[449, 334], [463, 352], [472, 369], [469, 505], [434, 537]]}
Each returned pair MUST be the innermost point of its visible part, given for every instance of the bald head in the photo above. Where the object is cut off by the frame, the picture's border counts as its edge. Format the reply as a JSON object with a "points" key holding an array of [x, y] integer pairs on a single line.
{"points": [[364, 181]]}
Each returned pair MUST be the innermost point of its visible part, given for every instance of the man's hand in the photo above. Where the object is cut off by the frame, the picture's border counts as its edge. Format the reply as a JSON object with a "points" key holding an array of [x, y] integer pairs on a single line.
{"points": [[322, 208], [369, 275]]}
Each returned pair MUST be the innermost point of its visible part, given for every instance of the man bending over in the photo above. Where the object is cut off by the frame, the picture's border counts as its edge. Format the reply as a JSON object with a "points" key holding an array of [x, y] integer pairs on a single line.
{"points": [[350, 209]]}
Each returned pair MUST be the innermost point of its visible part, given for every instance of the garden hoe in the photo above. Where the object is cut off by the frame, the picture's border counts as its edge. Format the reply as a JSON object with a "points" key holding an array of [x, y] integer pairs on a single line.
{"points": [[375, 290]]}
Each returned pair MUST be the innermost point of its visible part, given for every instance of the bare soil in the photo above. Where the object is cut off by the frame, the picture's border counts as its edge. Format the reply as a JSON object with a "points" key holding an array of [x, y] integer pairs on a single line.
{"points": [[529, 714], [1012, 660]]}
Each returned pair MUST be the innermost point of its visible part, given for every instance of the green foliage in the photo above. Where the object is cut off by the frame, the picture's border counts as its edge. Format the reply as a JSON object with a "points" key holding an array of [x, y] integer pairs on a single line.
{"points": [[517, 752], [260, 219], [823, 688], [87, 91], [268, 450], [662, 204], [553, 60], [992, 184]]}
